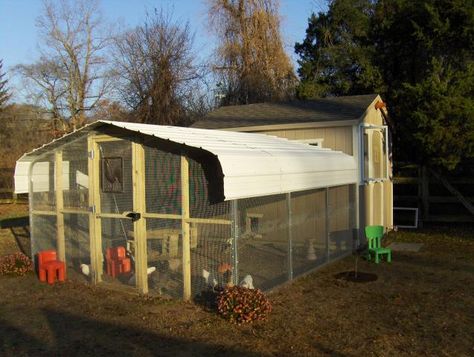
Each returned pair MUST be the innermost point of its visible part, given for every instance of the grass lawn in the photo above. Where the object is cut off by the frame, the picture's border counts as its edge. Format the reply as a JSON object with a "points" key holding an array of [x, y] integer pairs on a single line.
{"points": [[421, 304]]}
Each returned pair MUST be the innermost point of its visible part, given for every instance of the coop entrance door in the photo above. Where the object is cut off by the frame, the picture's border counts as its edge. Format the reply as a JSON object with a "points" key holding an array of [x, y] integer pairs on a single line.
{"points": [[118, 194]]}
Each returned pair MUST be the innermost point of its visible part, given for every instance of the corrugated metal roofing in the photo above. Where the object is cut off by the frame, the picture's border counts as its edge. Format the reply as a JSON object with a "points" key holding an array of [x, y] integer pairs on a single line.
{"points": [[297, 111], [252, 164]]}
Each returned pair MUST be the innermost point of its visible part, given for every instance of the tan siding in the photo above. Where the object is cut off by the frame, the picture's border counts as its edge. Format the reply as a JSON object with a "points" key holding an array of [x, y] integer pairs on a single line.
{"points": [[373, 116], [335, 138]]}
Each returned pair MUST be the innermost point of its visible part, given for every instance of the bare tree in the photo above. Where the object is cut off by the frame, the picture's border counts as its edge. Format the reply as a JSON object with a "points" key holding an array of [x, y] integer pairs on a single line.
{"points": [[72, 68], [48, 86], [156, 68], [4, 92], [252, 64]]}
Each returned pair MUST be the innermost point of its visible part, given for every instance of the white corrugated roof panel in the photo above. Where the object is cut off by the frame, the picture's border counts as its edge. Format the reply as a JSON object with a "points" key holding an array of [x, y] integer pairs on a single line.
{"points": [[252, 164]]}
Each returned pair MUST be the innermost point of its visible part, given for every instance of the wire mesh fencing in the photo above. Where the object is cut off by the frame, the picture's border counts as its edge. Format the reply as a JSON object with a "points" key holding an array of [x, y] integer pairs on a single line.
{"points": [[260, 242]]}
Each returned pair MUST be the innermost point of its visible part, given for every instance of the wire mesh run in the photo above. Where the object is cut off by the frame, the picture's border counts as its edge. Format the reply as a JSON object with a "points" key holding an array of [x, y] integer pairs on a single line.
{"points": [[43, 194], [118, 251], [162, 181], [43, 231], [77, 246], [164, 257], [75, 175], [116, 188], [260, 241], [308, 230], [341, 220], [263, 246]]}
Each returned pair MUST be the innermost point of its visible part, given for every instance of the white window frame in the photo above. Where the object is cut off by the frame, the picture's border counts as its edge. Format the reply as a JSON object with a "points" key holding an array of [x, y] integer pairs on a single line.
{"points": [[318, 142], [415, 223], [363, 128]]}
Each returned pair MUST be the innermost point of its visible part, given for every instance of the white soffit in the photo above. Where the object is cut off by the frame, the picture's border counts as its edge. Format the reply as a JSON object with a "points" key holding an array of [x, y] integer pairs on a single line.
{"points": [[252, 164]]}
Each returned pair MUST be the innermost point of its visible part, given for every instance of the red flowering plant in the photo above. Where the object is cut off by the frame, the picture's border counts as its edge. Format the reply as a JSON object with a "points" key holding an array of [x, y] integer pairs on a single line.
{"points": [[242, 305], [15, 264]]}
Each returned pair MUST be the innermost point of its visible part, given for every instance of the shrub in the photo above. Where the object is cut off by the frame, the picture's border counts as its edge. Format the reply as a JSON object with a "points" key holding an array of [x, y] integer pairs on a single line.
{"points": [[241, 305], [15, 264]]}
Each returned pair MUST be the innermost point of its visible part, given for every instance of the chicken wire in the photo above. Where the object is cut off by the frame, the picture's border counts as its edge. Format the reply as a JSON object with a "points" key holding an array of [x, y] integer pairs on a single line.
{"points": [[164, 257], [308, 230], [43, 233], [270, 238], [263, 244], [75, 175], [43, 194], [210, 242], [341, 206], [118, 232], [77, 244], [162, 181], [116, 188]]}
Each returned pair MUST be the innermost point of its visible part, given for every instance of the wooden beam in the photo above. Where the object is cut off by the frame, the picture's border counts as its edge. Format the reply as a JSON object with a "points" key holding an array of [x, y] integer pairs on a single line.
{"points": [[208, 221], [43, 213], [185, 226], [95, 233], [75, 210], [106, 138], [162, 215], [60, 239], [139, 226]]}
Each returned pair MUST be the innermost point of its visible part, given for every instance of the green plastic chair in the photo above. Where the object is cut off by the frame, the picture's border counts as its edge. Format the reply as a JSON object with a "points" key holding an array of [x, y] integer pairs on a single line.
{"points": [[374, 236]]}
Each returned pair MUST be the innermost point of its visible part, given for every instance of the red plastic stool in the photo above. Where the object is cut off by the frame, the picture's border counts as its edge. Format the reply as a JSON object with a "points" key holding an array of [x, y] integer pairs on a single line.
{"points": [[117, 261], [49, 268]]}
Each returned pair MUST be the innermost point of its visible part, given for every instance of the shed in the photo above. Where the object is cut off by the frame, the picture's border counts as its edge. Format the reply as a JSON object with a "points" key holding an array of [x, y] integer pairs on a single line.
{"points": [[356, 125], [191, 208]]}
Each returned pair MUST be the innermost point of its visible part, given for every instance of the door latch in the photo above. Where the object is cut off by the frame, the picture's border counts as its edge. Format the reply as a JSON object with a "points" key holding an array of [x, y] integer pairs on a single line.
{"points": [[134, 216]]}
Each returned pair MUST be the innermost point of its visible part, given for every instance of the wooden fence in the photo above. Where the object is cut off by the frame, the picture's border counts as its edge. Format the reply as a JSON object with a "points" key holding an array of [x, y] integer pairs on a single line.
{"points": [[440, 199]]}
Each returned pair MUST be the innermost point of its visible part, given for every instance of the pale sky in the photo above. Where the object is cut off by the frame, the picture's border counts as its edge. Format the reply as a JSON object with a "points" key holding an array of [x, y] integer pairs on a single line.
{"points": [[18, 34]]}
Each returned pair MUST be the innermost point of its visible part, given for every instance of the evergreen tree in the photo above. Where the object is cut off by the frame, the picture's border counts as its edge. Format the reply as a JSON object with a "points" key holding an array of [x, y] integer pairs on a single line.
{"points": [[336, 55], [417, 54], [425, 54], [4, 93]]}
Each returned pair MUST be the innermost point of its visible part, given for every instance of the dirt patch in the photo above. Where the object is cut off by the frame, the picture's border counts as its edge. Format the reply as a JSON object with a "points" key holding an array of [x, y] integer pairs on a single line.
{"points": [[421, 304], [13, 210], [359, 277]]}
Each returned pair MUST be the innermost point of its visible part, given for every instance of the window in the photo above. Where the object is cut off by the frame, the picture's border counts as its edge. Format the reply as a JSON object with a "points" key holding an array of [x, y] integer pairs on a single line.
{"points": [[313, 142]]}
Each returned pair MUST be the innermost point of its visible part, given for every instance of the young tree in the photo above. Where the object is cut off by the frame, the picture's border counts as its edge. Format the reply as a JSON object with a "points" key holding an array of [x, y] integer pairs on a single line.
{"points": [[156, 68], [72, 68], [336, 55], [252, 65], [4, 92]]}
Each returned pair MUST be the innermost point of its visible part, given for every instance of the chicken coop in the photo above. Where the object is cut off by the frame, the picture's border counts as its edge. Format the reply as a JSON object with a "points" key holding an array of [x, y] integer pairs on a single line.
{"points": [[172, 211]]}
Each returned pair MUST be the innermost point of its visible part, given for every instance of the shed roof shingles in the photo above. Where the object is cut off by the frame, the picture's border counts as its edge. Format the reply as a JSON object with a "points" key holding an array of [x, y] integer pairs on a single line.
{"points": [[320, 110]]}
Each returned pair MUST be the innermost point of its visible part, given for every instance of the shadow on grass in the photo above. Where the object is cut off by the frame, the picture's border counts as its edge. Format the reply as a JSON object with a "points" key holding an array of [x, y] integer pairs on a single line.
{"points": [[435, 262], [74, 335]]}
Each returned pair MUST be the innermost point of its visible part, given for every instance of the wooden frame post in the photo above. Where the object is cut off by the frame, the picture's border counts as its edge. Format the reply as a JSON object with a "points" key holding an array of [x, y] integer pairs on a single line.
{"points": [[328, 238], [235, 240], [185, 226], [139, 226], [60, 237], [290, 236], [95, 233]]}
